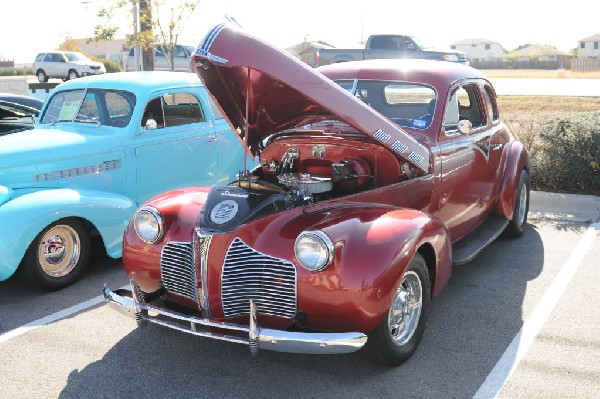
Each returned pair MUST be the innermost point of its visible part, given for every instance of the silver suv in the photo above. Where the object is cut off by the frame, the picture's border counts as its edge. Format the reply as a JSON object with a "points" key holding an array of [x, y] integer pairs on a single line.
{"points": [[65, 65]]}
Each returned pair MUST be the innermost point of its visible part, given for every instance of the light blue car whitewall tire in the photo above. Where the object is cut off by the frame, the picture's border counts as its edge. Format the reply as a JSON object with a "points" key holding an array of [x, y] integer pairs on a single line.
{"points": [[57, 256]]}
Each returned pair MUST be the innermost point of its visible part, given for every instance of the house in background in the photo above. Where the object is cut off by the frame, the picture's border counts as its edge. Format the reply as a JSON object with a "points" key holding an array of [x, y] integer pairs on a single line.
{"points": [[480, 49], [589, 47], [537, 56], [113, 50]]}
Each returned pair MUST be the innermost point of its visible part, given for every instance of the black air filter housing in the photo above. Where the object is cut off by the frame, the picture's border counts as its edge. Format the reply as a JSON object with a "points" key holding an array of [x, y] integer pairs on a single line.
{"points": [[230, 206]]}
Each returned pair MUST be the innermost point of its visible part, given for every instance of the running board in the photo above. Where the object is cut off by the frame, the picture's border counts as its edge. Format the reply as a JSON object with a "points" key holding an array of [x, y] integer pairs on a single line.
{"points": [[469, 247]]}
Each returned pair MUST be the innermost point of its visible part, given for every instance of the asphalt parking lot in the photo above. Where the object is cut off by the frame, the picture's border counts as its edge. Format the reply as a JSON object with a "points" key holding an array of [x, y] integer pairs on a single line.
{"points": [[518, 321]]}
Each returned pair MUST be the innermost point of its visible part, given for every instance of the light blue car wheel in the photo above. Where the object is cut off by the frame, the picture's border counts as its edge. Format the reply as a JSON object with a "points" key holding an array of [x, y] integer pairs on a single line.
{"points": [[57, 256]]}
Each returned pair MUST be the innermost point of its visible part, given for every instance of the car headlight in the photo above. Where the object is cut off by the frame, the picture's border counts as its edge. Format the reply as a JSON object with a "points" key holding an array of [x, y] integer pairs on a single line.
{"points": [[148, 224], [314, 250], [451, 57]]}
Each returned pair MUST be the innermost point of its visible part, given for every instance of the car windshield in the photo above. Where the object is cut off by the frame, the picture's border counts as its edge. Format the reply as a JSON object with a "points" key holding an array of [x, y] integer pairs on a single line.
{"points": [[10, 110], [97, 106], [406, 104], [423, 45], [76, 57]]}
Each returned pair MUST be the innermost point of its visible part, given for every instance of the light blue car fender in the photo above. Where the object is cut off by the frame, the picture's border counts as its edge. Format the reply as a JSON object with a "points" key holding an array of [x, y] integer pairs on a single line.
{"points": [[24, 217]]}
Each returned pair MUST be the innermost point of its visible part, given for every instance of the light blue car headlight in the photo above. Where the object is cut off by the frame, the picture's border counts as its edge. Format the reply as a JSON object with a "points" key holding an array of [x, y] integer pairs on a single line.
{"points": [[5, 194], [314, 250], [148, 224]]}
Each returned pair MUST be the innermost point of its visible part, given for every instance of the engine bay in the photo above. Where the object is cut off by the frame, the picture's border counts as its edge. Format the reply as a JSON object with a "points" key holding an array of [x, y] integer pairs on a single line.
{"points": [[299, 170]]}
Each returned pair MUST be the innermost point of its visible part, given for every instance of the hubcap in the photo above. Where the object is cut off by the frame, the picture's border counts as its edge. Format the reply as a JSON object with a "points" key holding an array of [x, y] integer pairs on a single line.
{"points": [[59, 251], [405, 312], [522, 205]]}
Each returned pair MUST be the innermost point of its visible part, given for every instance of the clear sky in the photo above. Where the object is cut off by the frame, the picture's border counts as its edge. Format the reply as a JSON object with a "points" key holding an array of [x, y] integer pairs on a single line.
{"points": [[27, 28]]}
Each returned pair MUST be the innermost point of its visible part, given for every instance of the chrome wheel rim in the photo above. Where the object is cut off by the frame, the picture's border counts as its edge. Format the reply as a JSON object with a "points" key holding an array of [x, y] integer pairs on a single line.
{"points": [[405, 312], [59, 251], [72, 75], [41, 76], [522, 205]]}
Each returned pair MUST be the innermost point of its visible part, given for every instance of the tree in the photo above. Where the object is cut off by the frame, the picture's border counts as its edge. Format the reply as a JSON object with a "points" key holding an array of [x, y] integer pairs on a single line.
{"points": [[165, 17], [69, 44]]}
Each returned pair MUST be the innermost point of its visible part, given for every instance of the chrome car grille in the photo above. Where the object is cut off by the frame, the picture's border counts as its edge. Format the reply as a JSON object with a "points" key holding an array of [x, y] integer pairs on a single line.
{"points": [[252, 275], [178, 271]]}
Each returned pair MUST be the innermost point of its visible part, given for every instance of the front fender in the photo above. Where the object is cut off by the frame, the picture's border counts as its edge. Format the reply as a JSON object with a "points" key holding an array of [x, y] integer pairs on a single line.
{"points": [[23, 217], [373, 248], [517, 160]]}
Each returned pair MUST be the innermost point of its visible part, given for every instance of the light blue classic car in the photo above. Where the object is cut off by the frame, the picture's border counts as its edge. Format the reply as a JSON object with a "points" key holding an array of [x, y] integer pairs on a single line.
{"points": [[101, 146]]}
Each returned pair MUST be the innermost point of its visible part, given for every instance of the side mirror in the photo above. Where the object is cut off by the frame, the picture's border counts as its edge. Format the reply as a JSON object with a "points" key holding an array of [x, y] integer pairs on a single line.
{"points": [[151, 124], [465, 126]]}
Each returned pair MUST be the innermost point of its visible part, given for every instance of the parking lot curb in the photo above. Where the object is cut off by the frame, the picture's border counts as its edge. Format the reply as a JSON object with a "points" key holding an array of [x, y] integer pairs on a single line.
{"points": [[558, 206]]}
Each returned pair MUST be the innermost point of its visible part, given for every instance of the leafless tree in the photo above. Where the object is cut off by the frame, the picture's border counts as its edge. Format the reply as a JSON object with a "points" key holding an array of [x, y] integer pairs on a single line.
{"points": [[160, 21]]}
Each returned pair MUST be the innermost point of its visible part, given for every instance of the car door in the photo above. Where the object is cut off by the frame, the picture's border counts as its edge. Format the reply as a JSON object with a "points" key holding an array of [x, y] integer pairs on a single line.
{"points": [[380, 46], [51, 62], [467, 174], [176, 146]]}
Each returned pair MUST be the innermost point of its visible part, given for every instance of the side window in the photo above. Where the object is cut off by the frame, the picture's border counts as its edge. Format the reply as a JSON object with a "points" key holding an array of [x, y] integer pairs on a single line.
{"points": [[153, 111], [492, 106], [173, 110], [182, 109], [180, 51], [464, 105], [39, 57]]}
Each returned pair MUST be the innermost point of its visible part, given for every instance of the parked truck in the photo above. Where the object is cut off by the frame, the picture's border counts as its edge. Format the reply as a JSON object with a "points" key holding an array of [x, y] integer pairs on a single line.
{"points": [[384, 46]]}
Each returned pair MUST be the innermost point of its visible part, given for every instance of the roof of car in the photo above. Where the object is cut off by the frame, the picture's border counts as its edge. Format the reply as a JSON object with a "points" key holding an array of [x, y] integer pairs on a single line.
{"points": [[440, 73], [136, 82]]}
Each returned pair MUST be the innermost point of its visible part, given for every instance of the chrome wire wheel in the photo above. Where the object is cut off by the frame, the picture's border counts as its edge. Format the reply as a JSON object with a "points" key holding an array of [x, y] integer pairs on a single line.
{"points": [[405, 312], [59, 250]]}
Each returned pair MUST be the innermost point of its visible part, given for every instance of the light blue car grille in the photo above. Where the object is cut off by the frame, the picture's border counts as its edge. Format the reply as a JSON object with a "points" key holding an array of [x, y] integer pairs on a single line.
{"points": [[79, 171], [252, 275], [178, 271]]}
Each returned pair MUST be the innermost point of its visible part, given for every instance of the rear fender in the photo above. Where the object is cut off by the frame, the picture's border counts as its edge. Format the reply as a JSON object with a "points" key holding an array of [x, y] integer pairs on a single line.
{"points": [[24, 217], [517, 160]]}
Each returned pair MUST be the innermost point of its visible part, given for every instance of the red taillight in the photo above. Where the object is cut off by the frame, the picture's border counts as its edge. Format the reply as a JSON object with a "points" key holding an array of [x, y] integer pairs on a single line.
{"points": [[317, 58]]}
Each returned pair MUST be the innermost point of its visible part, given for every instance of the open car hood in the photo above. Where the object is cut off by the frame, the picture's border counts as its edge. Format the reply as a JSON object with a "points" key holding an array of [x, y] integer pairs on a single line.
{"points": [[263, 90]]}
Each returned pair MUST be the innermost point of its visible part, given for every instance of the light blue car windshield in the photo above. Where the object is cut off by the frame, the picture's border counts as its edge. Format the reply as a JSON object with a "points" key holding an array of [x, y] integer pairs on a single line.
{"points": [[97, 106]]}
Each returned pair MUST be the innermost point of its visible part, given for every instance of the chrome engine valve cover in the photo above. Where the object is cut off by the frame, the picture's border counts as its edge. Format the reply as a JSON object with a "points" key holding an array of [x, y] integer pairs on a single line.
{"points": [[307, 183]]}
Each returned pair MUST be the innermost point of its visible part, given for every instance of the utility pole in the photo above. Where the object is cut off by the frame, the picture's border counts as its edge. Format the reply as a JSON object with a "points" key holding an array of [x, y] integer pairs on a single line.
{"points": [[136, 49], [146, 27]]}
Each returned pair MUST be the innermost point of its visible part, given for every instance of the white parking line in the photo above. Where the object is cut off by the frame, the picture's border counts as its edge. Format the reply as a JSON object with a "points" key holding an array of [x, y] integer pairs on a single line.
{"points": [[521, 343], [61, 314]]}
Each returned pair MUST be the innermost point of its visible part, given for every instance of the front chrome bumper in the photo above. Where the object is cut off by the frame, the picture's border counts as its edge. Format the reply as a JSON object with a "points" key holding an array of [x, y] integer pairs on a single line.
{"points": [[127, 303]]}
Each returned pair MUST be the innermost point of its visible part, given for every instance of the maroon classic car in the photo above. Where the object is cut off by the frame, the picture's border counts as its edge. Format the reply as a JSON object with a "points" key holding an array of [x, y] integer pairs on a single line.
{"points": [[374, 178]]}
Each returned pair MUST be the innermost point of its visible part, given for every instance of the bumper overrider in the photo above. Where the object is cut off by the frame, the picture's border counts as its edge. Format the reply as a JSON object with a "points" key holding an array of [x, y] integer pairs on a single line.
{"points": [[128, 302]]}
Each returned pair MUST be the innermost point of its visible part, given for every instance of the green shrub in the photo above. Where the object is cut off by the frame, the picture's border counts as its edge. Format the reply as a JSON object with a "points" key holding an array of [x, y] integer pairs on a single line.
{"points": [[111, 66], [568, 159], [15, 71]]}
